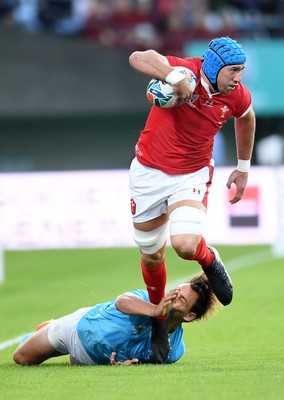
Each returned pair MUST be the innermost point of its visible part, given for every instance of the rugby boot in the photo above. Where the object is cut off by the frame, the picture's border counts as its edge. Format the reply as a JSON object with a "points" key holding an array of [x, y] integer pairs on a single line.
{"points": [[219, 279]]}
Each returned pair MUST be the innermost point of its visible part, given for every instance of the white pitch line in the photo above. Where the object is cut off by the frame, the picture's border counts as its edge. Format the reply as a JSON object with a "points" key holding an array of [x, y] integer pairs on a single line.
{"points": [[235, 264], [247, 260], [11, 342]]}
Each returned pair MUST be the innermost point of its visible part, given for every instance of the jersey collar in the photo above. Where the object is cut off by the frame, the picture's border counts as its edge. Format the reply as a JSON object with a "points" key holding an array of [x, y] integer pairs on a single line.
{"points": [[207, 88]]}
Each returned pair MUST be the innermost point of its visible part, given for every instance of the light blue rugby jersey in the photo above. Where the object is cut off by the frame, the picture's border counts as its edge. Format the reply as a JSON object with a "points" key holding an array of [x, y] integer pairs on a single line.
{"points": [[104, 329]]}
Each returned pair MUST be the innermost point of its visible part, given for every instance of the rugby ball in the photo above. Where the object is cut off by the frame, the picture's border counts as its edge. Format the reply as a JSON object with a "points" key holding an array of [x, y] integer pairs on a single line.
{"points": [[160, 93]]}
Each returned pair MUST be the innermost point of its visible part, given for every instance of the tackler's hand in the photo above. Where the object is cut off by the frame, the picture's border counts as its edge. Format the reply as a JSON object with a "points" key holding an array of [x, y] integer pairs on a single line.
{"points": [[126, 362]]}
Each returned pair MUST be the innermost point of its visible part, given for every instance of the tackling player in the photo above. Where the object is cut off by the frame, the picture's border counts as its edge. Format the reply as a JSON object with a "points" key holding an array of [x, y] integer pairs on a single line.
{"points": [[119, 331]]}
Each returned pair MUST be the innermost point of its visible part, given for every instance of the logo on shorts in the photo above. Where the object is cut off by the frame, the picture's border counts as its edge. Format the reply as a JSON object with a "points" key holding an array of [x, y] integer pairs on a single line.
{"points": [[133, 207], [196, 191]]}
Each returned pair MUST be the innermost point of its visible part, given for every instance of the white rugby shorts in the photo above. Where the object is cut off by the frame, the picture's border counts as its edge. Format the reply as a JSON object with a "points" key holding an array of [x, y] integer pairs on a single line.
{"points": [[152, 190], [63, 337]]}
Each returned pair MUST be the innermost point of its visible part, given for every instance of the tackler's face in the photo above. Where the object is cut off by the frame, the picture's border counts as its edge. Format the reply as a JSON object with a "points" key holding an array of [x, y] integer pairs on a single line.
{"points": [[229, 77], [186, 298]]}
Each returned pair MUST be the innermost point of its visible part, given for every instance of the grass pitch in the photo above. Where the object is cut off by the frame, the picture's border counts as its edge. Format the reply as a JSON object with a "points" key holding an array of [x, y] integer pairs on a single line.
{"points": [[237, 354]]}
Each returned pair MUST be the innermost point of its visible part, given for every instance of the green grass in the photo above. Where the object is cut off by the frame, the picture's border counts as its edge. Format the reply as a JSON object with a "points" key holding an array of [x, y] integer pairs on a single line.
{"points": [[237, 354]]}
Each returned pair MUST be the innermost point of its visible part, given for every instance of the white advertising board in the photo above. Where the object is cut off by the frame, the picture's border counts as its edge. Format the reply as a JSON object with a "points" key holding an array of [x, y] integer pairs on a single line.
{"points": [[92, 209]]}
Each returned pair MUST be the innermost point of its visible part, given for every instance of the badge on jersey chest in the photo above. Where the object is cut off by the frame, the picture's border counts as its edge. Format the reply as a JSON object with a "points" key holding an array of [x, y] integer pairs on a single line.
{"points": [[224, 110], [214, 110]]}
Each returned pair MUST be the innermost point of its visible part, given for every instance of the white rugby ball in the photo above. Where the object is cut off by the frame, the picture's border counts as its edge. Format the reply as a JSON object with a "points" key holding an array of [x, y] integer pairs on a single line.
{"points": [[160, 93]]}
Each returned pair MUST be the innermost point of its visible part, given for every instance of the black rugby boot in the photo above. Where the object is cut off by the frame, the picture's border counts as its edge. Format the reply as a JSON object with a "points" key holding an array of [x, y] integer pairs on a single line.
{"points": [[219, 279]]}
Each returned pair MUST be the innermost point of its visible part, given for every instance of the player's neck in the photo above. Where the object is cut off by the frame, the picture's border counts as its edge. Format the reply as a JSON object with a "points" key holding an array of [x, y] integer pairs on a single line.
{"points": [[206, 80]]}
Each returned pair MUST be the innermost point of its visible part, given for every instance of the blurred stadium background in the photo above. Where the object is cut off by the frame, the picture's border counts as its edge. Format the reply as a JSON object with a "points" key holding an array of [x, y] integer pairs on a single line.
{"points": [[69, 101]]}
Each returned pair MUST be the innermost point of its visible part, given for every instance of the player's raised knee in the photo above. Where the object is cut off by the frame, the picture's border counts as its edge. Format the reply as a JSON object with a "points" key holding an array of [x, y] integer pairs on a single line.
{"points": [[183, 247]]}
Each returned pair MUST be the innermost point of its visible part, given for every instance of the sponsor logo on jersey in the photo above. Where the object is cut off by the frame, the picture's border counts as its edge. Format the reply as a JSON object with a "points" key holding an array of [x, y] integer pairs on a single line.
{"points": [[194, 97], [208, 103], [136, 330]]}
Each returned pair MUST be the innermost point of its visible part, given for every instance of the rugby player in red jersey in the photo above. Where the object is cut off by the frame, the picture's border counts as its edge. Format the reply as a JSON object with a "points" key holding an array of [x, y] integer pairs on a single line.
{"points": [[172, 172]]}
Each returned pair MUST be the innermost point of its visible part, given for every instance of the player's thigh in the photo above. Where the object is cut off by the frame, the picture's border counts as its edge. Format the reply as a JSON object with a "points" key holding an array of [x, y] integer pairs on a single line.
{"points": [[36, 349], [151, 224], [149, 193], [188, 203]]}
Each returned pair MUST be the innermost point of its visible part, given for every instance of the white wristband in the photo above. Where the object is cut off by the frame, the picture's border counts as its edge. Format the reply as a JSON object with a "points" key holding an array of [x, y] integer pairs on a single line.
{"points": [[243, 165], [174, 77]]}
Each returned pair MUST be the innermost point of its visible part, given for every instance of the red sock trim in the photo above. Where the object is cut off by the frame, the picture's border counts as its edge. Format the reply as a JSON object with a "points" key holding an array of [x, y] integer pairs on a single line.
{"points": [[203, 255], [155, 280]]}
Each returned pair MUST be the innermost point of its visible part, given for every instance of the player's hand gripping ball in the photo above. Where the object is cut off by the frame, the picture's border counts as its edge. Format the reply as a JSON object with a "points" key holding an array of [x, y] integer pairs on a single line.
{"points": [[160, 93]]}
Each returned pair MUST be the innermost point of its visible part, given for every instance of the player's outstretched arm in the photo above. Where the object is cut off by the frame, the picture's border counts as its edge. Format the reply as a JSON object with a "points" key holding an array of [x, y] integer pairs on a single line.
{"points": [[129, 303]]}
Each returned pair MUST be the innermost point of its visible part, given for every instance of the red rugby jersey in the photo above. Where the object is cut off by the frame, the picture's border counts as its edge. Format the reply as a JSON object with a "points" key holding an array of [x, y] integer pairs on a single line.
{"points": [[180, 139]]}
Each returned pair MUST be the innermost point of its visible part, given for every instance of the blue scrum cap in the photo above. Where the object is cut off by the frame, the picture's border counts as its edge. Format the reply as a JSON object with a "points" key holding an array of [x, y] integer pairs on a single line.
{"points": [[221, 52]]}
